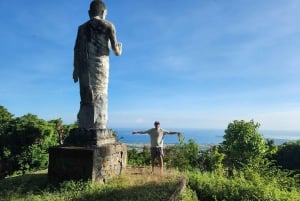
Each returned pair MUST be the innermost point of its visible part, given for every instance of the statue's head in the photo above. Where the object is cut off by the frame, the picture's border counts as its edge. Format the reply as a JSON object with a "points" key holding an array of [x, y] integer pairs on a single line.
{"points": [[97, 8]]}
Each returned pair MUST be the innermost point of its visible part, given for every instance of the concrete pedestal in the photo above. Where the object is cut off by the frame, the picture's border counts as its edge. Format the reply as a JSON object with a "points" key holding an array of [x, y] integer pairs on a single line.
{"points": [[98, 163], [89, 137]]}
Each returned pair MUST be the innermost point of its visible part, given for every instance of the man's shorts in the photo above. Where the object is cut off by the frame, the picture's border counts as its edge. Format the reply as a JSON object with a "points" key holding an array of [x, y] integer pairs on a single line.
{"points": [[156, 152]]}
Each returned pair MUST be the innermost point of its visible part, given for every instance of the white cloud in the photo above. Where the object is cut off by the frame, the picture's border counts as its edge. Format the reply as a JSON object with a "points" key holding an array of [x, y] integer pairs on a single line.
{"points": [[280, 119]]}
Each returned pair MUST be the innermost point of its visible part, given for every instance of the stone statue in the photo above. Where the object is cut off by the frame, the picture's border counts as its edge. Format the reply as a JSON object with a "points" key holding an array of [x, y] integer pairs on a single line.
{"points": [[91, 148], [91, 66]]}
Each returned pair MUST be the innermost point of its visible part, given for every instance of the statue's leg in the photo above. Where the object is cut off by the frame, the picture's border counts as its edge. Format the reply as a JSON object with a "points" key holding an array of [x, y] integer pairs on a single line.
{"points": [[86, 113], [101, 112], [100, 88]]}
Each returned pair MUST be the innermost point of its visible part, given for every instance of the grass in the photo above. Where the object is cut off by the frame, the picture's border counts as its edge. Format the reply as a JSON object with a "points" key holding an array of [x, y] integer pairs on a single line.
{"points": [[136, 185]]}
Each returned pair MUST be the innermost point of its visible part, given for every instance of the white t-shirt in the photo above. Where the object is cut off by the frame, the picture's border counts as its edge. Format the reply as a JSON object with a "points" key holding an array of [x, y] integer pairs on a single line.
{"points": [[156, 136]]}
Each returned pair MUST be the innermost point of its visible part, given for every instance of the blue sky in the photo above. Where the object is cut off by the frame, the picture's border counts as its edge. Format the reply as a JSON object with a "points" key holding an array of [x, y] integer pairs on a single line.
{"points": [[188, 64]]}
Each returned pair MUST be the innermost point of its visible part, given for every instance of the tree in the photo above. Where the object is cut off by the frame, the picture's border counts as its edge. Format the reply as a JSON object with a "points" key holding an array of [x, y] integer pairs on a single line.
{"points": [[243, 144], [24, 141], [211, 160], [5, 118], [5, 153], [271, 147], [30, 137], [184, 156], [288, 155]]}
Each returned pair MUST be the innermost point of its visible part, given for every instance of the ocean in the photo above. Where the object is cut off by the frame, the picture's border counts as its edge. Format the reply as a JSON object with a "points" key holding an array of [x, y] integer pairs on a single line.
{"points": [[201, 136]]}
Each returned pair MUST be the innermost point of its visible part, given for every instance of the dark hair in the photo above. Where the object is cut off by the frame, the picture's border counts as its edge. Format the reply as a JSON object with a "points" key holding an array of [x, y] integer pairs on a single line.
{"points": [[96, 7], [156, 123]]}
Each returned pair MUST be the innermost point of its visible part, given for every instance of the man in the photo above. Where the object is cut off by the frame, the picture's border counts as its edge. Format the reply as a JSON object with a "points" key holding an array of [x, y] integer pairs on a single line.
{"points": [[91, 66], [156, 136]]}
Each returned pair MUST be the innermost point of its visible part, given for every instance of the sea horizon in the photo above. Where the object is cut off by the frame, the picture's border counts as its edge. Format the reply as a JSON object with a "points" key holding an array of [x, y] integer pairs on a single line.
{"points": [[201, 136]]}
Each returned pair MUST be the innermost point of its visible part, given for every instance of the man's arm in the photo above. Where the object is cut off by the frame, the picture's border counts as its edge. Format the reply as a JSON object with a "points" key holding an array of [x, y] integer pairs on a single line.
{"points": [[139, 132], [173, 132]]}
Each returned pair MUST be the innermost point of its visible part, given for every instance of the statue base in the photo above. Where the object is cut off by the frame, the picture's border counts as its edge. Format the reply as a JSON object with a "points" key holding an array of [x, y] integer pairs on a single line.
{"points": [[87, 154], [98, 164], [89, 137]]}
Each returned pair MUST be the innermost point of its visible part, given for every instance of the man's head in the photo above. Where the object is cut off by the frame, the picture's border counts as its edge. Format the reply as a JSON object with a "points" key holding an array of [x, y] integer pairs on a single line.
{"points": [[97, 8], [156, 124]]}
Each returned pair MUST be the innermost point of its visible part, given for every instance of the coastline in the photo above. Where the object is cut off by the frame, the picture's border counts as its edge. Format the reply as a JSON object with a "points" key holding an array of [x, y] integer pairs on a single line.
{"points": [[203, 137], [141, 146], [203, 146]]}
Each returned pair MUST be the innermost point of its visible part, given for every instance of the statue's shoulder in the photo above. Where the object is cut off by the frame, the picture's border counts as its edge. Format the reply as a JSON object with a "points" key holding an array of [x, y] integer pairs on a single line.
{"points": [[83, 26], [108, 24], [96, 24]]}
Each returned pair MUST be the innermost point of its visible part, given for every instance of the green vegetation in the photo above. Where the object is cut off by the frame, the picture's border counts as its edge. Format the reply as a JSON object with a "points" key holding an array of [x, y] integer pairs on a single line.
{"points": [[210, 186], [287, 156], [183, 156], [243, 167], [243, 145], [138, 158], [34, 187], [24, 142]]}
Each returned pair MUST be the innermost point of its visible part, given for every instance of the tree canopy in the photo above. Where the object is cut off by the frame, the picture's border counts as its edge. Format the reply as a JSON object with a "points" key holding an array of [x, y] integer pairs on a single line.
{"points": [[24, 141], [243, 144]]}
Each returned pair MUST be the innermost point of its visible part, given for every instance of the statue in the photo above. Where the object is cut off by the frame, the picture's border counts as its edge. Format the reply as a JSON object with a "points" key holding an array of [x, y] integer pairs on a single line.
{"points": [[91, 148], [91, 66]]}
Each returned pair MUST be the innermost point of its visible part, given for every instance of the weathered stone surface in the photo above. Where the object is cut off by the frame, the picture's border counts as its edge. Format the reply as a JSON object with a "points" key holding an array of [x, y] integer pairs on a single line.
{"points": [[89, 137], [91, 66], [66, 163], [97, 164]]}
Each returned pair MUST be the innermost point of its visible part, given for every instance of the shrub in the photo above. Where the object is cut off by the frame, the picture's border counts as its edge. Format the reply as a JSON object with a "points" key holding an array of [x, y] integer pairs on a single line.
{"points": [[24, 142], [211, 160], [136, 157], [184, 156], [209, 186], [287, 156]]}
